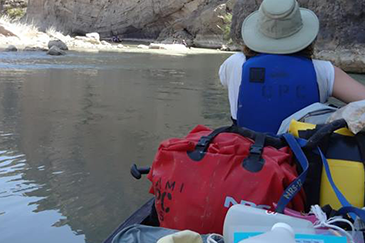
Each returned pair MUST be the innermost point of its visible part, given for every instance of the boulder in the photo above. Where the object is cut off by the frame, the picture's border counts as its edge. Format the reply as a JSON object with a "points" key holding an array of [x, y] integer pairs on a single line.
{"points": [[55, 51], [94, 35], [11, 48], [350, 60], [58, 43], [105, 43]]}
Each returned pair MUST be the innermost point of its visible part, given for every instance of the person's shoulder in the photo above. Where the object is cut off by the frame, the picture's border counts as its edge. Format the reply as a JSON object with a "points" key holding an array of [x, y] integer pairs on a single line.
{"points": [[323, 66], [237, 58], [325, 76], [322, 63]]}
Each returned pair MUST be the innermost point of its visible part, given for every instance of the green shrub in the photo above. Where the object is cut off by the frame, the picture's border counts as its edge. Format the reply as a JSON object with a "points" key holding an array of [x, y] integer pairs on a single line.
{"points": [[15, 13], [226, 27]]}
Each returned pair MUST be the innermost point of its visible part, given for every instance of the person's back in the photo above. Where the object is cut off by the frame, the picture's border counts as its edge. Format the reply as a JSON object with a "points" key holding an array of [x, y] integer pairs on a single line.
{"points": [[265, 89], [270, 84]]}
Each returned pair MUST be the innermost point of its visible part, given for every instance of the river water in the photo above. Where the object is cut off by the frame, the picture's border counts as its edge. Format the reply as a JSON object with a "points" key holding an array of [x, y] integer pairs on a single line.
{"points": [[71, 126]]}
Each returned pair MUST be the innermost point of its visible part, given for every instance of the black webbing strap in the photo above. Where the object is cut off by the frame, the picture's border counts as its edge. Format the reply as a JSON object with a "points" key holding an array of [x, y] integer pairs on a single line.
{"points": [[254, 162], [203, 144]]}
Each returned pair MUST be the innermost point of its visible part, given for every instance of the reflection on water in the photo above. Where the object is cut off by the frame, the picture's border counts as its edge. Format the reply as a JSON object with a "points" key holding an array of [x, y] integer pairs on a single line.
{"points": [[71, 127], [19, 208], [359, 77]]}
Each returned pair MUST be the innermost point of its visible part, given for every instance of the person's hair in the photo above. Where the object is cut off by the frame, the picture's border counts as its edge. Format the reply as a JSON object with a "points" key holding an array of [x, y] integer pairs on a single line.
{"points": [[306, 52]]}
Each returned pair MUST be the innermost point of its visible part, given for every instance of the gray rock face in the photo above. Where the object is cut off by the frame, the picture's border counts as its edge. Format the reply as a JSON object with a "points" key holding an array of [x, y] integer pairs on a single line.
{"points": [[58, 43], [132, 18], [204, 27], [147, 19]]}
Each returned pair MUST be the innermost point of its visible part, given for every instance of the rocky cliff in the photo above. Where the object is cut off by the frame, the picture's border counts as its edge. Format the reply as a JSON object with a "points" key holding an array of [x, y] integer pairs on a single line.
{"points": [[202, 23], [140, 19], [199, 21]]}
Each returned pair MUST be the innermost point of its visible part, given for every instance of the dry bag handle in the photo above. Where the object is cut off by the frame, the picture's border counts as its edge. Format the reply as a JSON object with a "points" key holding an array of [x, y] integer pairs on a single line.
{"points": [[138, 172], [323, 132], [203, 144]]}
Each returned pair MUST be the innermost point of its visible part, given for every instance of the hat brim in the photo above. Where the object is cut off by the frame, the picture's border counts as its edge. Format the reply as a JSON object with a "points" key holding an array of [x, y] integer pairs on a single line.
{"points": [[258, 42]]}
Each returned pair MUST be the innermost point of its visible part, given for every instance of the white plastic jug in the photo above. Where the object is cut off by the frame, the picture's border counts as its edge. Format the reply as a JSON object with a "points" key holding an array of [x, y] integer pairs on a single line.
{"points": [[241, 218], [280, 233]]}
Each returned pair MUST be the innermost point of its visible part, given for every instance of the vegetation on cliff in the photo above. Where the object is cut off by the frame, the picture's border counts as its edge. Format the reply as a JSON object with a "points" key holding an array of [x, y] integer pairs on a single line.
{"points": [[13, 9], [226, 27]]}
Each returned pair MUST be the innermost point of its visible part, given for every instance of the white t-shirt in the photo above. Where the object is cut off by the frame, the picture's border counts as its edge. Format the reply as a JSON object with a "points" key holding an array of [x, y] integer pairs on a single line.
{"points": [[230, 74]]}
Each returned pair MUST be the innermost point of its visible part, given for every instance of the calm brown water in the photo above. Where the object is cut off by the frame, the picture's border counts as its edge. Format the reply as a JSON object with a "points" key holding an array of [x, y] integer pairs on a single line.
{"points": [[70, 128]]}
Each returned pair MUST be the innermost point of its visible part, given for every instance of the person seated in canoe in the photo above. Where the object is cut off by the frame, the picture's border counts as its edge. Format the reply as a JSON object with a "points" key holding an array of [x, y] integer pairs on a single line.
{"points": [[275, 74]]}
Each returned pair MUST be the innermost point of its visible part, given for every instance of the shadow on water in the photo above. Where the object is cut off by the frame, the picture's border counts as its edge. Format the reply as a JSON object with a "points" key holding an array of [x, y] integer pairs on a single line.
{"points": [[71, 127]]}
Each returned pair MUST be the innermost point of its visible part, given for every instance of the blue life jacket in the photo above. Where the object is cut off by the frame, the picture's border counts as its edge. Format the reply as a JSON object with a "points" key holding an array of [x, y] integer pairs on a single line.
{"points": [[272, 88]]}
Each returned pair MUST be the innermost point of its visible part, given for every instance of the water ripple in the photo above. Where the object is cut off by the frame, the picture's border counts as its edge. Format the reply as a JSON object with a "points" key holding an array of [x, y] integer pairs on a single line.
{"points": [[11, 173]]}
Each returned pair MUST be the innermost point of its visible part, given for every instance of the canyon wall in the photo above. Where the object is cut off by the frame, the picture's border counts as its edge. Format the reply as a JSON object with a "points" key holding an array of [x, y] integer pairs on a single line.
{"points": [[201, 23], [138, 19]]}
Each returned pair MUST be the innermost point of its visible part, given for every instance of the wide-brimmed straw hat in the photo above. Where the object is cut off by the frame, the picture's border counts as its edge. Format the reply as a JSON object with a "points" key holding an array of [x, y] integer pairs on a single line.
{"points": [[280, 27]]}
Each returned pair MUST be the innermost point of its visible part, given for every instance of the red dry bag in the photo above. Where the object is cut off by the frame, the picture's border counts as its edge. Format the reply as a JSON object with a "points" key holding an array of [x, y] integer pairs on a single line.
{"points": [[197, 178]]}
